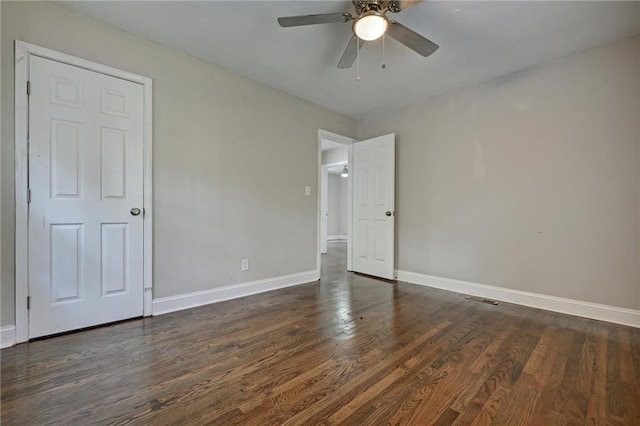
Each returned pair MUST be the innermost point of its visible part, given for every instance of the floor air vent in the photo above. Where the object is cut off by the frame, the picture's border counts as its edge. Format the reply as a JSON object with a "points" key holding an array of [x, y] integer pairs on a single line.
{"points": [[481, 300]]}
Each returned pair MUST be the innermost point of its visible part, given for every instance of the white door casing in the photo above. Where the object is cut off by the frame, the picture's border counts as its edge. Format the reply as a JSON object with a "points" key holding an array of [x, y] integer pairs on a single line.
{"points": [[374, 206], [85, 248]]}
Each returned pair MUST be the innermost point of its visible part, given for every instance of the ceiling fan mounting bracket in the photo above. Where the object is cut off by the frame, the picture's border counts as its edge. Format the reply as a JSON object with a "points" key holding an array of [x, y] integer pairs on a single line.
{"points": [[380, 6], [394, 6]]}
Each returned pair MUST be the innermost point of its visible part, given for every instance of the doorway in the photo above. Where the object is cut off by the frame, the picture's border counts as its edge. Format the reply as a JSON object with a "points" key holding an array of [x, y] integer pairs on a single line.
{"points": [[370, 243], [334, 198]]}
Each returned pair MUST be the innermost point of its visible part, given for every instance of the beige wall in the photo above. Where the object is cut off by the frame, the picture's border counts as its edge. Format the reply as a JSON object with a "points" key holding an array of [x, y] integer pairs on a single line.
{"points": [[225, 187], [333, 204], [344, 206], [337, 203], [529, 181]]}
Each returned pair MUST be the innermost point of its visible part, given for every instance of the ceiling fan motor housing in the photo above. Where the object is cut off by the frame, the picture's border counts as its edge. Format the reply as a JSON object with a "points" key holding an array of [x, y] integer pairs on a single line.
{"points": [[380, 6]]}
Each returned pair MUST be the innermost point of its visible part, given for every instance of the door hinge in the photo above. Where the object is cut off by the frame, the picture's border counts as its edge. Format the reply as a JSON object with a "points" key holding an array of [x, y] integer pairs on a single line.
{"points": [[28, 302], [28, 195], [28, 88]]}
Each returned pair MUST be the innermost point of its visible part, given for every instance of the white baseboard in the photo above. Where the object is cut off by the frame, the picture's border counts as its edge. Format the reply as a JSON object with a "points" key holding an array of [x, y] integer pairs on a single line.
{"points": [[579, 308], [336, 237], [165, 305], [7, 336]]}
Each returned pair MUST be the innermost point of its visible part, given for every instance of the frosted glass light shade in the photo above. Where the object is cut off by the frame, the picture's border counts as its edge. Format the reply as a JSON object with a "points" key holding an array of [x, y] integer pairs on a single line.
{"points": [[370, 26]]}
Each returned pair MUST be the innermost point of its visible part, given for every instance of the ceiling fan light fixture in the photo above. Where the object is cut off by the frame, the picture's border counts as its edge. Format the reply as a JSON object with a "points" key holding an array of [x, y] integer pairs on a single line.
{"points": [[370, 26]]}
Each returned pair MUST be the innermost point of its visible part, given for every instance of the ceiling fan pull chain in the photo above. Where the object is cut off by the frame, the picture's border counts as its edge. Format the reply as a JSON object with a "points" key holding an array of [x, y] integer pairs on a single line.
{"points": [[358, 59], [384, 65]]}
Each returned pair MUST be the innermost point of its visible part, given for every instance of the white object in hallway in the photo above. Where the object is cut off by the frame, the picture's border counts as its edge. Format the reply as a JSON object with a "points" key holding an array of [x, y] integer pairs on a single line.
{"points": [[374, 206], [85, 216], [324, 208]]}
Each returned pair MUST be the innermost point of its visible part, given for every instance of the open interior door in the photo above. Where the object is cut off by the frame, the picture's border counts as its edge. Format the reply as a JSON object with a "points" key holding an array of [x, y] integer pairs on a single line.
{"points": [[374, 206]]}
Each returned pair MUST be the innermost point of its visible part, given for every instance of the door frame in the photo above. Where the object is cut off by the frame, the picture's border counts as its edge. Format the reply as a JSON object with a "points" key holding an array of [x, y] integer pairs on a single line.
{"points": [[324, 134], [23, 51]]}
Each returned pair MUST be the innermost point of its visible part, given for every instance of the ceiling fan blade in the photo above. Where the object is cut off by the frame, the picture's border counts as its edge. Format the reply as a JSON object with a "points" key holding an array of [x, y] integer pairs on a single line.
{"points": [[400, 5], [323, 18], [411, 39], [350, 53]]}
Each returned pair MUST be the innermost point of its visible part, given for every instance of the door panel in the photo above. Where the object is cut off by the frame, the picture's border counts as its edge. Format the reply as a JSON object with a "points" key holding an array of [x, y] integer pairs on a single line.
{"points": [[65, 161], [114, 258], [114, 158], [374, 177], [85, 175], [66, 261]]}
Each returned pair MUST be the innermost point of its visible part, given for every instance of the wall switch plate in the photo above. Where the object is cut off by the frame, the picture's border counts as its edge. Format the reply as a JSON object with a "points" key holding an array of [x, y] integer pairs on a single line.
{"points": [[307, 190], [244, 265]]}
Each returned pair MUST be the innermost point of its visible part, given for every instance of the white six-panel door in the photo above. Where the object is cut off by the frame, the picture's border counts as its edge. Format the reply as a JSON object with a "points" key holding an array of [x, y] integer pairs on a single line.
{"points": [[374, 206], [85, 263]]}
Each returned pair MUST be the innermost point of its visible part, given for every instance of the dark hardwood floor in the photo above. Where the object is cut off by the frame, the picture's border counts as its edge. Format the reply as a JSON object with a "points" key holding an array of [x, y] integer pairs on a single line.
{"points": [[346, 350]]}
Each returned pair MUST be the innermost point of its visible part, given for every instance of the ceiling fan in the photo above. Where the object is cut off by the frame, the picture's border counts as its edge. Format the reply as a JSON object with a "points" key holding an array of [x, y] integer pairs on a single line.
{"points": [[369, 23]]}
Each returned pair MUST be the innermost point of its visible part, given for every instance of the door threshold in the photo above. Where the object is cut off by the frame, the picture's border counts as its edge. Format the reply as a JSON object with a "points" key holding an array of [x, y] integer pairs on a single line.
{"points": [[79, 330]]}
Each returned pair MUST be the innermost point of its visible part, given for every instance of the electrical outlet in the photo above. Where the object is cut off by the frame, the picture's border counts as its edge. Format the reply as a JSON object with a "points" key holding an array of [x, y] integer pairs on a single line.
{"points": [[307, 190], [244, 265]]}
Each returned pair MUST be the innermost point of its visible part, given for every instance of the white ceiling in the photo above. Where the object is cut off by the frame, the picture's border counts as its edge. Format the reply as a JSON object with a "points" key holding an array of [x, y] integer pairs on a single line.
{"points": [[329, 145], [478, 40]]}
